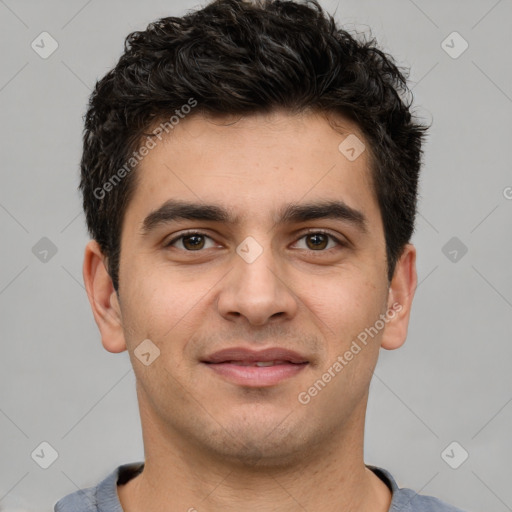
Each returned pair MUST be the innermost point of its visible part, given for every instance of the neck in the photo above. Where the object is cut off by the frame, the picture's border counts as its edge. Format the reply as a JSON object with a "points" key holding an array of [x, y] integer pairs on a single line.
{"points": [[328, 476]]}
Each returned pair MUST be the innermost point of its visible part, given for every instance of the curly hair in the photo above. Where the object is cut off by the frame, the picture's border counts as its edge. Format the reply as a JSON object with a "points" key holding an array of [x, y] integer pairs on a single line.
{"points": [[243, 57]]}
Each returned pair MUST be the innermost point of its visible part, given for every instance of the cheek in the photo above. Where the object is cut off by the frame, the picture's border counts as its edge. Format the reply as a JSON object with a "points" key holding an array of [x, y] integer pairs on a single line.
{"points": [[345, 306], [345, 313], [150, 304], [162, 304]]}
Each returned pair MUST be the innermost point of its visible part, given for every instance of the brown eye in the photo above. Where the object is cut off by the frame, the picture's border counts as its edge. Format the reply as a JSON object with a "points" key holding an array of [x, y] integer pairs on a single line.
{"points": [[193, 242], [317, 241]]}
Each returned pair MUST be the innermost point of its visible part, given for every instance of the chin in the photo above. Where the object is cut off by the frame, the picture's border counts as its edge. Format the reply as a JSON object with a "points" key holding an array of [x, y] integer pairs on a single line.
{"points": [[259, 445]]}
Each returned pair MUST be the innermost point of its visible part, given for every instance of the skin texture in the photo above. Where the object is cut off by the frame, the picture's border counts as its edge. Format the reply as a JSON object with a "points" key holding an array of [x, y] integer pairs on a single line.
{"points": [[211, 444]]}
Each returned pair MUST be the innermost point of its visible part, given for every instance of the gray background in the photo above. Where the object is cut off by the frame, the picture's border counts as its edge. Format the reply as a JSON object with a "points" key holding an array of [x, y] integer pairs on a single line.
{"points": [[450, 382]]}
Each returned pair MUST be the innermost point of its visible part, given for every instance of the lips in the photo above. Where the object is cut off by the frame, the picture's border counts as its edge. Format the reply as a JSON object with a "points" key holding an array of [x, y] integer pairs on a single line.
{"points": [[246, 357], [258, 363], [256, 369]]}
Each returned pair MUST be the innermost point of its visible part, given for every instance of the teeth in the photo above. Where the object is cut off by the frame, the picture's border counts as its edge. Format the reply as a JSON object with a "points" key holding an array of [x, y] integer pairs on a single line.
{"points": [[257, 363]]}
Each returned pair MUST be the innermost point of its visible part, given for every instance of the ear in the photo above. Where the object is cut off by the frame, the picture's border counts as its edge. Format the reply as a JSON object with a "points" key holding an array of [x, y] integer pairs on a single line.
{"points": [[400, 295], [103, 298]]}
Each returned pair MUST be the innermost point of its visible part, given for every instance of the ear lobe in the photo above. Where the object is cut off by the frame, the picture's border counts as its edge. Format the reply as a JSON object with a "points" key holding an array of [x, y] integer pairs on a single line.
{"points": [[400, 296], [103, 298]]}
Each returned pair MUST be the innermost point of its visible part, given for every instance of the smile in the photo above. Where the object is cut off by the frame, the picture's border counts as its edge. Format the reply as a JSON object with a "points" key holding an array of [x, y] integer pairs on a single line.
{"points": [[256, 373]]}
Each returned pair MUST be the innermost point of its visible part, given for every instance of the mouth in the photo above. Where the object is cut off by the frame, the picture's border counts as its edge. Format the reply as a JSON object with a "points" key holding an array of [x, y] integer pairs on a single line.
{"points": [[250, 368], [257, 363]]}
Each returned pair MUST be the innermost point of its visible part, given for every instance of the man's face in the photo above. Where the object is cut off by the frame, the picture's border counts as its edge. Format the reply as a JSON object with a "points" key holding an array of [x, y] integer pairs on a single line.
{"points": [[253, 281]]}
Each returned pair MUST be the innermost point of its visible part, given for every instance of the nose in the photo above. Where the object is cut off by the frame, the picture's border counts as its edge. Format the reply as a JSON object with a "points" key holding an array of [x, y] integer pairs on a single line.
{"points": [[256, 290]]}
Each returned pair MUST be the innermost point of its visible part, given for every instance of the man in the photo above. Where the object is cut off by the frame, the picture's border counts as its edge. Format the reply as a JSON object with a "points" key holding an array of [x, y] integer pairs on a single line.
{"points": [[249, 178]]}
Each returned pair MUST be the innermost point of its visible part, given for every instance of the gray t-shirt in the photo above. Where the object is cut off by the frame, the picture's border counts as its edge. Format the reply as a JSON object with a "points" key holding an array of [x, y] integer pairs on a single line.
{"points": [[104, 497]]}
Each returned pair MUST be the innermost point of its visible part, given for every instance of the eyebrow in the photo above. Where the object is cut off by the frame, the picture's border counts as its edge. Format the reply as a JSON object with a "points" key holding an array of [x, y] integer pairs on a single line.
{"points": [[173, 210]]}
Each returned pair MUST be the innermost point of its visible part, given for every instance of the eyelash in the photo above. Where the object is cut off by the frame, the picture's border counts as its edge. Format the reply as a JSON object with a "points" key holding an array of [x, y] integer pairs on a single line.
{"points": [[312, 232]]}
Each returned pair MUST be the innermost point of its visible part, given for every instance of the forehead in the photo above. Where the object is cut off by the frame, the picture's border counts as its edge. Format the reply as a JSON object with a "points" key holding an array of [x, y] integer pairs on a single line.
{"points": [[253, 165]]}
